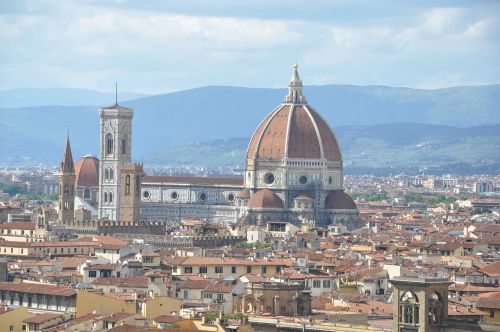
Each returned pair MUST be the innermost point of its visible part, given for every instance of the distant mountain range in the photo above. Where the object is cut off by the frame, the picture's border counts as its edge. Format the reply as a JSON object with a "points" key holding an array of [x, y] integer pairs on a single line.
{"points": [[376, 125], [397, 145]]}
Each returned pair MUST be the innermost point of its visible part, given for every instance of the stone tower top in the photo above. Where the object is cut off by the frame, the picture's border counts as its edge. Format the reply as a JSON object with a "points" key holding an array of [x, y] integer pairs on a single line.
{"points": [[295, 89], [67, 165]]}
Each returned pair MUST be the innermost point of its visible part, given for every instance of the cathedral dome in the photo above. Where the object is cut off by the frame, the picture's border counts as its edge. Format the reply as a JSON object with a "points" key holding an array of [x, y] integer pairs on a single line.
{"points": [[294, 130], [339, 200], [265, 199], [87, 172]]}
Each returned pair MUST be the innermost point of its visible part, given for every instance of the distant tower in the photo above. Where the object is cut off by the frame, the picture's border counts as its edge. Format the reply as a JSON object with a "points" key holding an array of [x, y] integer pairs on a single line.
{"points": [[116, 150], [130, 194], [66, 188]]}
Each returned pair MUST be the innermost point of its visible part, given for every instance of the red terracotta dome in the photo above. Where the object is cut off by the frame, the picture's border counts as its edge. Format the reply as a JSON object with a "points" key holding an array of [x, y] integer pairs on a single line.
{"points": [[339, 200], [265, 199], [294, 130], [245, 194], [305, 195], [87, 172]]}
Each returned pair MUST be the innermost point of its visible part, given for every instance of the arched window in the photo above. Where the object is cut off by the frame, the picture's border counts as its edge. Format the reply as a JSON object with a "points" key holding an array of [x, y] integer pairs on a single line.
{"points": [[111, 175], [111, 197], [124, 146], [106, 174], [86, 193], [109, 144], [409, 308], [137, 185], [105, 197], [127, 185]]}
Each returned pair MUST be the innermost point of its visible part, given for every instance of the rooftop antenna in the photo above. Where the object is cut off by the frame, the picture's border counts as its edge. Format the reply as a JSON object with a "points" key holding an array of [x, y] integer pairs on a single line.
{"points": [[116, 93]]}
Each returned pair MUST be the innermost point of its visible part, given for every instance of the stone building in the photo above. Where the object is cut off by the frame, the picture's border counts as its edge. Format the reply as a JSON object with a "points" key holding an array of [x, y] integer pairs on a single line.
{"points": [[115, 152], [294, 172], [420, 304], [130, 195], [66, 207], [276, 298], [39, 298]]}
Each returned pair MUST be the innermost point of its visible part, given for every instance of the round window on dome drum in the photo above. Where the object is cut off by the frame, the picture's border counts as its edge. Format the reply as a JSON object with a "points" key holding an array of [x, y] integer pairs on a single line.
{"points": [[145, 194], [203, 196], [230, 198], [269, 178], [174, 195], [303, 179]]}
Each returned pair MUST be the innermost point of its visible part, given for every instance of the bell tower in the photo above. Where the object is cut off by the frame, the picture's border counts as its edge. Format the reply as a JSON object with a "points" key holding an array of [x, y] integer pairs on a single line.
{"points": [[115, 151], [420, 304], [67, 179], [130, 194]]}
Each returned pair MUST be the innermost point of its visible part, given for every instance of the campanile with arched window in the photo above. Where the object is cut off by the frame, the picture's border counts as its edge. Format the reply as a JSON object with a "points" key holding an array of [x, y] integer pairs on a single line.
{"points": [[420, 304], [115, 151]]}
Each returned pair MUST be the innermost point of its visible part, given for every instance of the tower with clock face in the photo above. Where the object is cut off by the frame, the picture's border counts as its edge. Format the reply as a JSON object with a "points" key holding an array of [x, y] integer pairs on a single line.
{"points": [[115, 151]]}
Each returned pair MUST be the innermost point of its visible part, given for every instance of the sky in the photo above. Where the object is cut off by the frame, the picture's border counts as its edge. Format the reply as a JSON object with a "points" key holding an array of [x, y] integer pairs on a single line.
{"points": [[161, 46]]}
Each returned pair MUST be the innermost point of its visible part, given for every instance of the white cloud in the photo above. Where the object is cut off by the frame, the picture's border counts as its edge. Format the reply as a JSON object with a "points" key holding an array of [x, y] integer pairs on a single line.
{"points": [[81, 42], [12, 27]]}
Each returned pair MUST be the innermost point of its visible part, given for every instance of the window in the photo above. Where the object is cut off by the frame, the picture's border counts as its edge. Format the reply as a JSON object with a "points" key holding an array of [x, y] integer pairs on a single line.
{"points": [[109, 144], [220, 296], [316, 283], [137, 185], [111, 174], [249, 269], [326, 283], [269, 178], [124, 146], [105, 197], [106, 174], [207, 295], [111, 197], [127, 185], [203, 196], [219, 269], [174, 195], [86, 193], [188, 269], [492, 313], [146, 194], [263, 269], [203, 269], [233, 269], [303, 179], [92, 274], [186, 294], [230, 198]]}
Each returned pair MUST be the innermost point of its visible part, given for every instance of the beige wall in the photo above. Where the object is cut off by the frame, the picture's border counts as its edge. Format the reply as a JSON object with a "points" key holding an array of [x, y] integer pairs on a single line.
{"points": [[227, 270], [13, 251], [15, 319], [87, 302], [161, 305]]}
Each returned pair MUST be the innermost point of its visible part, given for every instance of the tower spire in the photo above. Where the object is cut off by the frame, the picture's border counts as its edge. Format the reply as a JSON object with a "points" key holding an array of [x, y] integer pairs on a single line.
{"points": [[295, 88], [67, 165], [116, 93]]}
